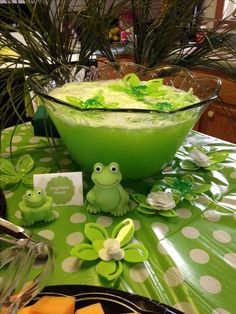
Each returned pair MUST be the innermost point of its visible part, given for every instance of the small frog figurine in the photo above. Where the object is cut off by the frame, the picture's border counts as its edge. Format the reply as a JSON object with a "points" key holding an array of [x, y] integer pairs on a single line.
{"points": [[36, 206], [107, 195]]}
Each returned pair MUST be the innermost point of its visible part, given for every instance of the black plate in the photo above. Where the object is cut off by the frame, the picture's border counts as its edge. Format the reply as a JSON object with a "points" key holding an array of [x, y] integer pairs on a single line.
{"points": [[113, 301]]}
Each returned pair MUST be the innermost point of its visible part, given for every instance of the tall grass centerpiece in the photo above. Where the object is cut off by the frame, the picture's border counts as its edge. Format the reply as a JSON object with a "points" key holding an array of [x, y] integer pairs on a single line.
{"points": [[52, 34]]}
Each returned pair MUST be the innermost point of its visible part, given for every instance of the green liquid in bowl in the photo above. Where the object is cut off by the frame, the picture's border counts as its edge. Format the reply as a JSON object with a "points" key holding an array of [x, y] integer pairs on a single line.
{"points": [[141, 143]]}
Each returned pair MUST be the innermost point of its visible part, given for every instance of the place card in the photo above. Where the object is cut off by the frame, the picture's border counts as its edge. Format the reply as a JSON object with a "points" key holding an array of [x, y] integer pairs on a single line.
{"points": [[65, 188]]}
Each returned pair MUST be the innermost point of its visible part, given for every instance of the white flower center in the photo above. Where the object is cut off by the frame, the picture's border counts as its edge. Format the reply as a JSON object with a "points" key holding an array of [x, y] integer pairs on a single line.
{"points": [[199, 158], [111, 250], [161, 200]]}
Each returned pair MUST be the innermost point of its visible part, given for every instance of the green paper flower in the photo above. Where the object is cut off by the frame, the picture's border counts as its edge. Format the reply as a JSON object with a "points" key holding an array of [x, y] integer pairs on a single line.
{"points": [[166, 194], [156, 203], [110, 250], [198, 157], [23, 171]]}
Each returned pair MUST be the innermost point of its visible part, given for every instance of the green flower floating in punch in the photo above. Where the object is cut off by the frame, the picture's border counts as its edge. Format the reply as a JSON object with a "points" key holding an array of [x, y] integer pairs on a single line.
{"points": [[198, 157], [23, 171], [111, 250], [165, 195]]}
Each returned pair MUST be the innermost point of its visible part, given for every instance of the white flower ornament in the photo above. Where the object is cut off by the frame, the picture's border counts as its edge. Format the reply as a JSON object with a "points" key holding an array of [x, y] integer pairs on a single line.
{"points": [[199, 158], [161, 200]]}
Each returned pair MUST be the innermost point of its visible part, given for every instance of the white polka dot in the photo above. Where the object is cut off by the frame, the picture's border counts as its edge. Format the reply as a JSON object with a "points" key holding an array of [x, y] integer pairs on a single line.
{"points": [[34, 140], [185, 307], [139, 273], [75, 238], [230, 259], [18, 214], [220, 311], [66, 162], [203, 199], [45, 159], [199, 256], [77, 218], [16, 139], [210, 284], [190, 232], [48, 234], [233, 175], [24, 127], [8, 194], [137, 224], [159, 229], [56, 213], [212, 215], [105, 221], [11, 149], [49, 150], [71, 264], [162, 249], [184, 213], [173, 277], [53, 141], [222, 236]]}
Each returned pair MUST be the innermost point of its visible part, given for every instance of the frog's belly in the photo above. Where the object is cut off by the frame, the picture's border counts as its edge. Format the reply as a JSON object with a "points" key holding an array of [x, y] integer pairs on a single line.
{"points": [[107, 200]]}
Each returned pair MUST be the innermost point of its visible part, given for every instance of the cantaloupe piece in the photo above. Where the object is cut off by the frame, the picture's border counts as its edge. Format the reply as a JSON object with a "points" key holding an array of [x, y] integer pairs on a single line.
{"points": [[25, 310], [54, 304], [95, 308]]}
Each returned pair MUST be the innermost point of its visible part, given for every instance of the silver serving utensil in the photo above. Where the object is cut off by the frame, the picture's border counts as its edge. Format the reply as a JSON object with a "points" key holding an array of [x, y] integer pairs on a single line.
{"points": [[21, 250]]}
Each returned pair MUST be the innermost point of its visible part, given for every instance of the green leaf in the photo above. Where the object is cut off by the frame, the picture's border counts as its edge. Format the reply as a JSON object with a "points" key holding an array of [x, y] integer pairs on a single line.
{"points": [[131, 80], [24, 164], [27, 179], [97, 245], [201, 188], [75, 101], [139, 198], [110, 269], [214, 167], [218, 156], [146, 211], [188, 165], [135, 253], [84, 251], [7, 167], [94, 231], [190, 196], [167, 213], [11, 180], [124, 231]]}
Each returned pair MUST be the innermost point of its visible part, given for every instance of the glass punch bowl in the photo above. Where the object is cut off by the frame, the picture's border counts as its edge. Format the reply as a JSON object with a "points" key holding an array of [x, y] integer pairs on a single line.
{"points": [[141, 141]]}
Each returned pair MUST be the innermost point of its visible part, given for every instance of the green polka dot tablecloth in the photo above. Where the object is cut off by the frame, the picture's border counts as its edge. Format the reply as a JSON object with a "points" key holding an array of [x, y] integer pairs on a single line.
{"points": [[192, 257]]}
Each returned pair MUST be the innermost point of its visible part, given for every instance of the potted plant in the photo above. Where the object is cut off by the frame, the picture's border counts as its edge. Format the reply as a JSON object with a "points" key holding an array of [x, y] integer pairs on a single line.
{"points": [[51, 34]]}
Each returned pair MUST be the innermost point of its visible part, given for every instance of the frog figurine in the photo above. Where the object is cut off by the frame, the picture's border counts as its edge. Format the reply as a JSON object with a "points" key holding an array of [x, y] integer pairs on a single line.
{"points": [[36, 206], [107, 195]]}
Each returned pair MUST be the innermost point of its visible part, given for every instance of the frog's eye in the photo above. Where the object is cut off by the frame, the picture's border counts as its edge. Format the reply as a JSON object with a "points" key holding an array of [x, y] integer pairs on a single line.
{"points": [[98, 168], [28, 194], [39, 192], [114, 168]]}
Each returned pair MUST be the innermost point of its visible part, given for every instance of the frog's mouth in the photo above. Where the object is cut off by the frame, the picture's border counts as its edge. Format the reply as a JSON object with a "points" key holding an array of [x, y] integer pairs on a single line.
{"points": [[35, 203], [107, 185]]}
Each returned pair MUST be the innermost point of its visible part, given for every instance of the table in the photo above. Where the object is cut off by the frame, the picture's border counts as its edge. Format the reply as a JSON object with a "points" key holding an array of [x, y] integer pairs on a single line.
{"points": [[192, 257]]}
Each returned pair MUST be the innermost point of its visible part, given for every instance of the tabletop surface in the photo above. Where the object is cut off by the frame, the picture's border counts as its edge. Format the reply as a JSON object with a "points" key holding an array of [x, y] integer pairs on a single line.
{"points": [[192, 257]]}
